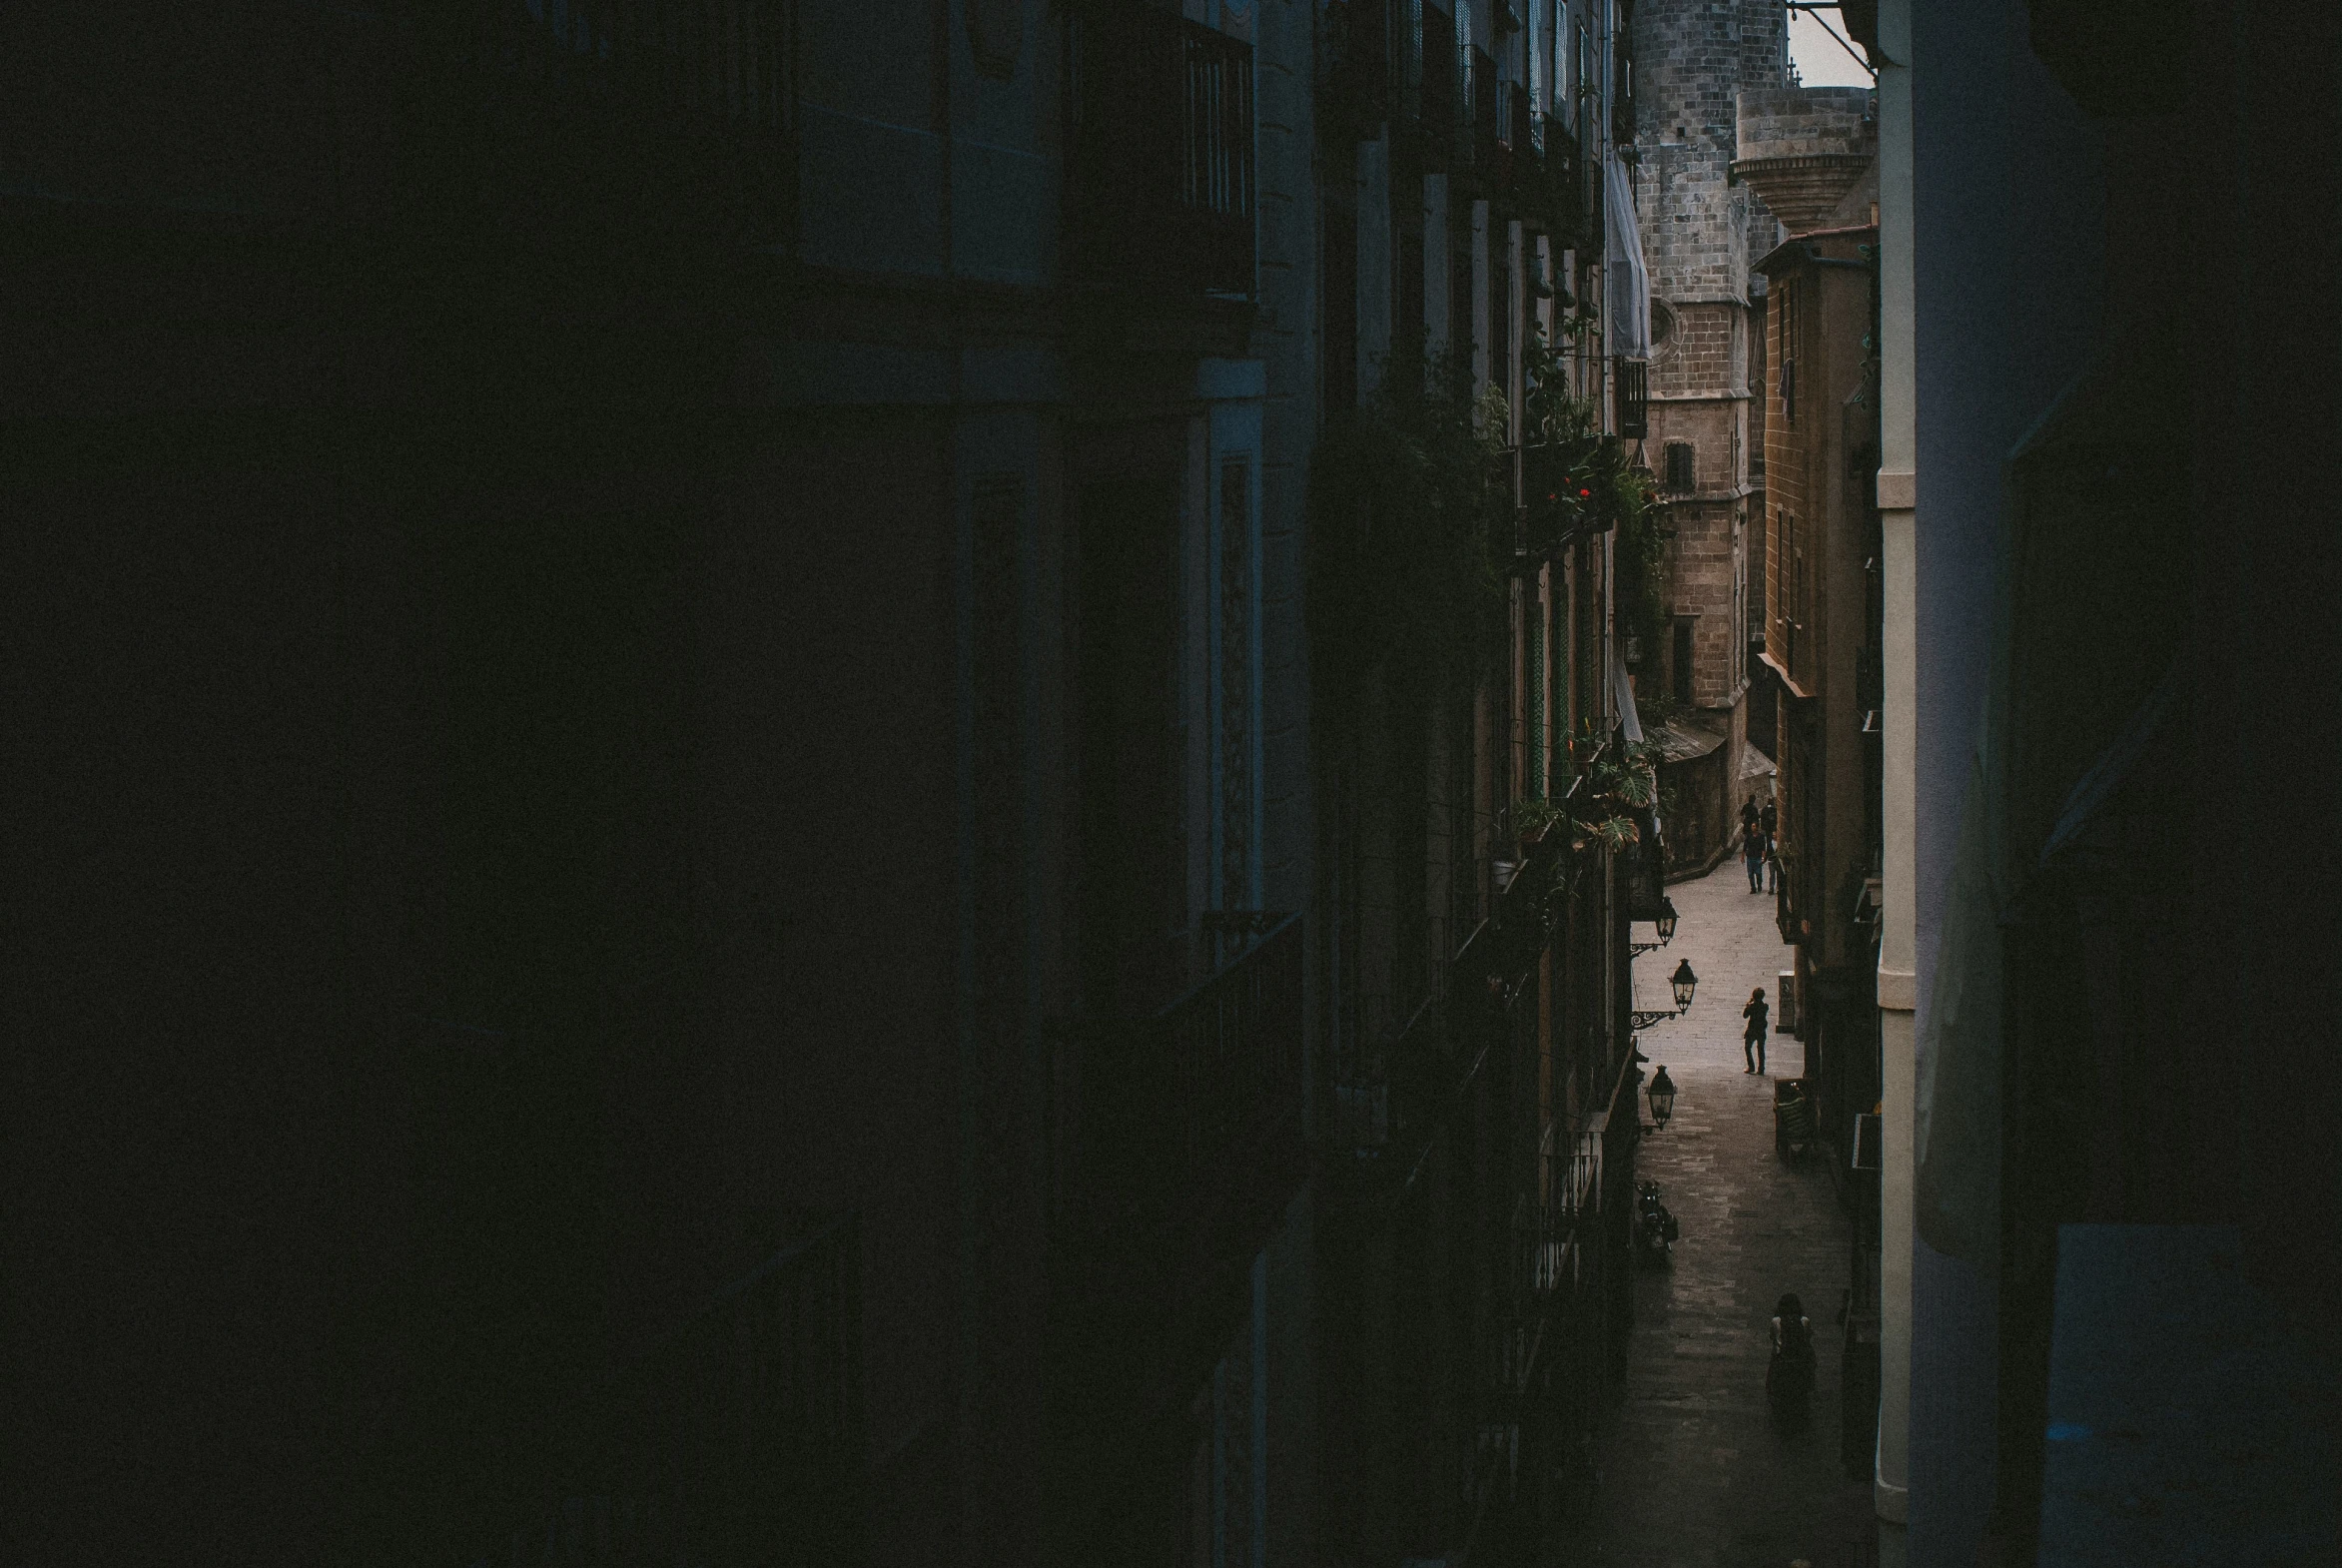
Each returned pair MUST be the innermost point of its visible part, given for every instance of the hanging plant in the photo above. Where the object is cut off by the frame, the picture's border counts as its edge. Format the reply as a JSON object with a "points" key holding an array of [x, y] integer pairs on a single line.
{"points": [[1409, 525], [1577, 480]]}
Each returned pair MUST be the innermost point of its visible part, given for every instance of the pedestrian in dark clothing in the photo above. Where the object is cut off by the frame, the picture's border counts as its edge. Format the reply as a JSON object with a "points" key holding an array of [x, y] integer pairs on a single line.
{"points": [[1752, 1037], [1789, 1376], [1751, 850], [1769, 820], [1772, 866], [1750, 816]]}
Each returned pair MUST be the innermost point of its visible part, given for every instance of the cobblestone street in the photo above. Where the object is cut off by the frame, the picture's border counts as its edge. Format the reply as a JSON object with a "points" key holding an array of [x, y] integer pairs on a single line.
{"points": [[1696, 1474]]}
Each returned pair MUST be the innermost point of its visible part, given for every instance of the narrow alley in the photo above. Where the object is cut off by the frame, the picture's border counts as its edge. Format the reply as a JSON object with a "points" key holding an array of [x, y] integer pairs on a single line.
{"points": [[1696, 1475]]}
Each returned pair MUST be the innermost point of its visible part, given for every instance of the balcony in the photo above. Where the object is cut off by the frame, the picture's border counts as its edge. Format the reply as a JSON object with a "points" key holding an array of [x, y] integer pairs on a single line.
{"points": [[674, 118], [1567, 1212], [1159, 170], [738, 1438], [1354, 87], [1176, 1142], [1442, 96], [1547, 182], [1631, 382], [1481, 157]]}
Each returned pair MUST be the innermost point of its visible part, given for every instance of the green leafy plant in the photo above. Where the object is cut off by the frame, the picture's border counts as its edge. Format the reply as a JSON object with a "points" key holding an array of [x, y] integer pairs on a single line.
{"points": [[1658, 708], [1409, 524], [1532, 817], [1578, 478]]}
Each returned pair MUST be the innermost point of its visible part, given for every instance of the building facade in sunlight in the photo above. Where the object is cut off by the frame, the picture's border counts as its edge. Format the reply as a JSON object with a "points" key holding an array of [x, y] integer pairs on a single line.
{"points": [[1810, 153]]}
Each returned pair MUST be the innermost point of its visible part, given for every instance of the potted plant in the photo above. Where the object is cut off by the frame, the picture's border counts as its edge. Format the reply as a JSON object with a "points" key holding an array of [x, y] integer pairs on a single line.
{"points": [[1533, 819]]}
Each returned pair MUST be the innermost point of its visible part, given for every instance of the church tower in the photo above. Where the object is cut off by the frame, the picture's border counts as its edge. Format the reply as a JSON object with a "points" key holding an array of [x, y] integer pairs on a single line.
{"points": [[1706, 444]]}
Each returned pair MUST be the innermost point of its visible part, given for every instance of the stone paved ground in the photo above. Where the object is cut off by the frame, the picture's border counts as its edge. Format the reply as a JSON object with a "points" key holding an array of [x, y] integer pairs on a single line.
{"points": [[1694, 1476]]}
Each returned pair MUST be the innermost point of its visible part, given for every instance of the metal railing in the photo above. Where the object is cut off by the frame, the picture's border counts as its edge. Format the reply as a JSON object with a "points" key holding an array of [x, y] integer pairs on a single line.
{"points": [[1159, 160], [1175, 1140], [726, 60], [1569, 1191], [1190, 1112], [1441, 97], [663, 115], [1631, 381], [737, 1440], [1355, 82]]}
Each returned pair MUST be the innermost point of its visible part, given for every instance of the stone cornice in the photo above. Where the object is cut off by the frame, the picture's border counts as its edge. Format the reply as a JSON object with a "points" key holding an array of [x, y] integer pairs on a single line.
{"points": [[1803, 189]]}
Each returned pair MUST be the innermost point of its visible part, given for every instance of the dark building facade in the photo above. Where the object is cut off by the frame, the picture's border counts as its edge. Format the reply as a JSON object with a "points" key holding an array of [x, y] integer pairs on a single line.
{"points": [[673, 732], [695, 890], [2088, 493], [1475, 1168]]}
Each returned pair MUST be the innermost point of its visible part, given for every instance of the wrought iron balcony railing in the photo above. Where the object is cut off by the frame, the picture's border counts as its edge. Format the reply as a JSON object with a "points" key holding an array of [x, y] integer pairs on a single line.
{"points": [[1355, 84], [1176, 1142], [1631, 381], [738, 1438], [1441, 97], [1569, 1192], [1484, 111], [1159, 165], [678, 116]]}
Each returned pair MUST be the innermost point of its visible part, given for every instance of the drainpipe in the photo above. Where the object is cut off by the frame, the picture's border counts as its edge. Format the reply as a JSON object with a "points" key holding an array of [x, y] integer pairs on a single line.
{"points": [[1898, 989]]}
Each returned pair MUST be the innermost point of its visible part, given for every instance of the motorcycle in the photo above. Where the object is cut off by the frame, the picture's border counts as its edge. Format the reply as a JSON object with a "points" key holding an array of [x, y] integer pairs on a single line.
{"points": [[1655, 1228]]}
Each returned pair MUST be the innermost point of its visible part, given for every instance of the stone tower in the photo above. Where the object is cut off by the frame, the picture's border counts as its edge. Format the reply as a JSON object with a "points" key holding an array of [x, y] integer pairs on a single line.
{"points": [[1701, 233]]}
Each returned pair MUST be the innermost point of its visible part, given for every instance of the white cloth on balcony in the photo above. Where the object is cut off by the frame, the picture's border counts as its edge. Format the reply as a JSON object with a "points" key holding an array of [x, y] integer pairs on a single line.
{"points": [[1629, 286], [1623, 690]]}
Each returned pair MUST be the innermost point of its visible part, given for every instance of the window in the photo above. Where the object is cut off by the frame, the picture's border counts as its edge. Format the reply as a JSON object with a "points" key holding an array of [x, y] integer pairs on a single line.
{"points": [[1679, 467], [1235, 682], [1683, 660], [1582, 90], [1785, 314], [1500, 295]]}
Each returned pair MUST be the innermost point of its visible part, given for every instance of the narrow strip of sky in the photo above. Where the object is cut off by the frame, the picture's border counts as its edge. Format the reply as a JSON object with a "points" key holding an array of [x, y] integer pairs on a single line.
{"points": [[1821, 61]]}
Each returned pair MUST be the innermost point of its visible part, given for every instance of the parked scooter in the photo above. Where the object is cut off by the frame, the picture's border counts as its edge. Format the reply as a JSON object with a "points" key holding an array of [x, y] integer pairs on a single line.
{"points": [[1655, 1228]]}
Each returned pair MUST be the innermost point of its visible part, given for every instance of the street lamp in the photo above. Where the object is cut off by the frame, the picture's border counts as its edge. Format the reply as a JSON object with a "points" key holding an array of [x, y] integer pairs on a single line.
{"points": [[1662, 1096], [1685, 983], [1665, 921]]}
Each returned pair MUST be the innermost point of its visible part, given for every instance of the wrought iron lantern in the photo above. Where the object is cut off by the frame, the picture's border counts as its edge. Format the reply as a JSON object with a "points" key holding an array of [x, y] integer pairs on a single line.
{"points": [[1662, 1096], [1685, 983], [1664, 919]]}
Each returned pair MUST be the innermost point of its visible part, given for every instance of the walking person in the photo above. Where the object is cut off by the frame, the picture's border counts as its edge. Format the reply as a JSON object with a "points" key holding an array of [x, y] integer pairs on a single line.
{"points": [[1751, 817], [1772, 866], [1751, 1040], [1768, 820], [1789, 1376], [1751, 850]]}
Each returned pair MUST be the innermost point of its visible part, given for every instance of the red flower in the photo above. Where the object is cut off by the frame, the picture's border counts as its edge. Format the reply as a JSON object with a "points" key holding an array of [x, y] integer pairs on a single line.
{"points": [[1585, 492]]}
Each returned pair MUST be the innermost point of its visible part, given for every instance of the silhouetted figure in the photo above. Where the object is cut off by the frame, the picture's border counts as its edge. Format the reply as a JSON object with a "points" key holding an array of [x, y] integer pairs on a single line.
{"points": [[1752, 1042], [1789, 1376], [1751, 850]]}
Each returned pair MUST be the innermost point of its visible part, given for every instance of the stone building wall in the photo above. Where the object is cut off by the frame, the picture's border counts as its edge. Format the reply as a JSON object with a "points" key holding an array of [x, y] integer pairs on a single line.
{"points": [[1788, 456], [1701, 232]]}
